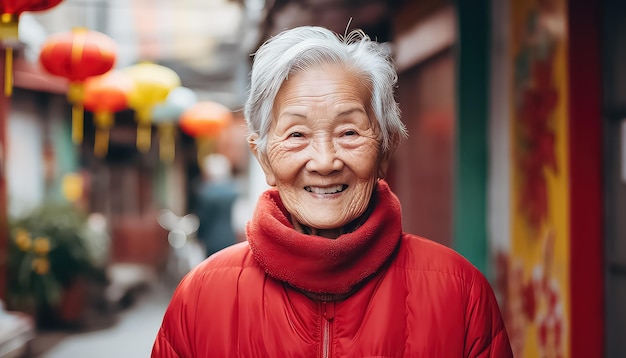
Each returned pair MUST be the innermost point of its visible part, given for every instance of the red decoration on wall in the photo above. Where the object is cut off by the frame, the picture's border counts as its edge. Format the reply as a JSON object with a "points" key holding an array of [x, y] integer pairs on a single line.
{"points": [[78, 55], [10, 11], [536, 141]]}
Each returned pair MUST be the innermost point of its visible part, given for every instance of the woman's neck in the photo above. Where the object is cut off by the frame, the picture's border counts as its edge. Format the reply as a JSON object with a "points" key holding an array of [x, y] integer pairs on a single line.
{"points": [[332, 233], [327, 233]]}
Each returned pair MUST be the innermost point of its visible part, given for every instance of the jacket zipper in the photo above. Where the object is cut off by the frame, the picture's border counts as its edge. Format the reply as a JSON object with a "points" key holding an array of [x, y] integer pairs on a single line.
{"points": [[328, 310]]}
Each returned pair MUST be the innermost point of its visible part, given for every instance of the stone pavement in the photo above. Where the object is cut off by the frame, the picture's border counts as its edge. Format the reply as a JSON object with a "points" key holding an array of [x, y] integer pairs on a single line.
{"points": [[131, 335]]}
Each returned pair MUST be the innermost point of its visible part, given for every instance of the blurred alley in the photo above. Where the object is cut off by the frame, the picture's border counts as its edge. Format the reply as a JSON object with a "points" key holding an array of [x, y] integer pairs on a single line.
{"points": [[129, 334]]}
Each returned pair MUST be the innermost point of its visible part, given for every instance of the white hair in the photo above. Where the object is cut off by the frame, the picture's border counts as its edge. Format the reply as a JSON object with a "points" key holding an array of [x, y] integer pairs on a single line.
{"points": [[304, 47]]}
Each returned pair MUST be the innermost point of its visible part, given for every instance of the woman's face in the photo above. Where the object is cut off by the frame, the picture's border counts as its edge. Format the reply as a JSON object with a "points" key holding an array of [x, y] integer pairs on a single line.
{"points": [[323, 151]]}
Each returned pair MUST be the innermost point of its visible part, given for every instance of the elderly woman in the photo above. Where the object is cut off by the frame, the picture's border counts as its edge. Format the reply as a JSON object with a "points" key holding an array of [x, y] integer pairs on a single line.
{"points": [[326, 270]]}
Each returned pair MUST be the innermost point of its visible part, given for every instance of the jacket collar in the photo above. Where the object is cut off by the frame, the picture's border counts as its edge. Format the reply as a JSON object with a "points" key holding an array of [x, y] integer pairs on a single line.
{"points": [[320, 265]]}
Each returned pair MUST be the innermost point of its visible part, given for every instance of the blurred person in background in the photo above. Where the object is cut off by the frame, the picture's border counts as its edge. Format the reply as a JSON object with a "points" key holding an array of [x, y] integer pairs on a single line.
{"points": [[326, 270], [215, 200]]}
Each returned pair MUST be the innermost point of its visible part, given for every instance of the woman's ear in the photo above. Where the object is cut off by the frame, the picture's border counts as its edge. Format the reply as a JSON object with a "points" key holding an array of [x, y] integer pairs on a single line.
{"points": [[262, 159], [385, 157], [383, 165]]}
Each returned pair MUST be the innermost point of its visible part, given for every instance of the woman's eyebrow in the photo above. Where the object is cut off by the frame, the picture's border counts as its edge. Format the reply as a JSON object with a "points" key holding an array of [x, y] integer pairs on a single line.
{"points": [[351, 110], [293, 114]]}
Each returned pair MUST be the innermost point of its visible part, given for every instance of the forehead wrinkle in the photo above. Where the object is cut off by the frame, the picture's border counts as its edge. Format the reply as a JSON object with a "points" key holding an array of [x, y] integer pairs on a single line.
{"points": [[339, 108]]}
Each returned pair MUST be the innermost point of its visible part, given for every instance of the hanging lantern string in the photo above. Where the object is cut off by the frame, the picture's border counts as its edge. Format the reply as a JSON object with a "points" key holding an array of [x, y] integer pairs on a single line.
{"points": [[144, 130], [167, 142], [103, 121], [8, 31], [144, 133], [75, 96], [8, 72], [206, 146], [77, 123]]}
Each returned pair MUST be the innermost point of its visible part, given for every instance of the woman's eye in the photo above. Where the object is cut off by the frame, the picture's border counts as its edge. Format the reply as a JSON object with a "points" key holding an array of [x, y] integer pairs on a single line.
{"points": [[350, 133], [296, 135]]}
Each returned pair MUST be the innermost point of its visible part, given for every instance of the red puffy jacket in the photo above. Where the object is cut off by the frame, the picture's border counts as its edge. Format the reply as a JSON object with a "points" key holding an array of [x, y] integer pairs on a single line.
{"points": [[373, 292]]}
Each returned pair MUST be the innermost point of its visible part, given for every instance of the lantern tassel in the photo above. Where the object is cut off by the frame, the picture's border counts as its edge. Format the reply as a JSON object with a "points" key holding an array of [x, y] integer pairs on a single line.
{"points": [[144, 133], [77, 123], [104, 121], [205, 148], [8, 72], [167, 143], [101, 144]]}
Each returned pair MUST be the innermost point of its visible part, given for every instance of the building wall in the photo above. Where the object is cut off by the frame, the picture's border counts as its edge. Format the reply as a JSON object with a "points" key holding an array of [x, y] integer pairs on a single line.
{"points": [[613, 139], [422, 169], [24, 161]]}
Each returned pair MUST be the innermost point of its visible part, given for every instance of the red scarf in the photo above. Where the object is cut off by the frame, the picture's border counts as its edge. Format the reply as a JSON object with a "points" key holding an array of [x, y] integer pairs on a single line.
{"points": [[317, 264]]}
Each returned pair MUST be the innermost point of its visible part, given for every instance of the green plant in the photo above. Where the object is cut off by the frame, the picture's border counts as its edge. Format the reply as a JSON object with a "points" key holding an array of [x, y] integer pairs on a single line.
{"points": [[48, 250]]}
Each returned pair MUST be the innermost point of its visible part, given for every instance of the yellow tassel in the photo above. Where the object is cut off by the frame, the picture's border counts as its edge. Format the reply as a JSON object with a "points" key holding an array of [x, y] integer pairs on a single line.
{"points": [[101, 145], [77, 123], [205, 148], [75, 94], [8, 72], [167, 143], [9, 33], [104, 121], [144, 134]]}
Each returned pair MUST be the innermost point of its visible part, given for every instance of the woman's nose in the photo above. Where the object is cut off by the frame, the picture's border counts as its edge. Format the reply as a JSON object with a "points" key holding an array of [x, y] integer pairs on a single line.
{"points": [[324, 158]]}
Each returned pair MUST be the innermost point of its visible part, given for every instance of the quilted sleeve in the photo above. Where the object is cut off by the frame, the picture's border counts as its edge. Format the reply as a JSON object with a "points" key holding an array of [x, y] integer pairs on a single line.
{"points": [[173, 338], [162, 347], [485, 335]]}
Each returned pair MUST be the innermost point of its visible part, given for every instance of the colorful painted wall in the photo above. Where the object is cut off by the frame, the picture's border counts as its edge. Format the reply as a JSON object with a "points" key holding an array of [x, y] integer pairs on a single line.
{"points": [[537, 242], [538, 287]]}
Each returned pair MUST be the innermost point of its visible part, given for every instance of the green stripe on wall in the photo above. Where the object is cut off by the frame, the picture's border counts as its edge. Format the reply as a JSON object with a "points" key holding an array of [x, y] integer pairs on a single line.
{"points": [[470, 206]]}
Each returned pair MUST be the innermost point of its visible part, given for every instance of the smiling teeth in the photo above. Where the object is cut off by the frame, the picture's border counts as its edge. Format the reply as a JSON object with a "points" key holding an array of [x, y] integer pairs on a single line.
{"points": [[327, 190]]}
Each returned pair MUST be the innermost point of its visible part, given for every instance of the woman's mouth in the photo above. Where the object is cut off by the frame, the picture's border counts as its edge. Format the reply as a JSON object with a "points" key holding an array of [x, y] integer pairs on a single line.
{"points": [[326, 190]]}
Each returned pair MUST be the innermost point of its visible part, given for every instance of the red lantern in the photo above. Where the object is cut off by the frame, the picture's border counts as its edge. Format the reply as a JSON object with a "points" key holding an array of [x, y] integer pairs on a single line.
{"points": [[204, 121], [78, 55], [103, 96], [10, 11]]}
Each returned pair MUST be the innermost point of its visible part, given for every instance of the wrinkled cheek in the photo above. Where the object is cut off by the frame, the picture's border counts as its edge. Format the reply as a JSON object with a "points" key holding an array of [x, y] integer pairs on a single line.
{"points": [[285, 168], [282, 172], [289, 199], [359, 204], [367, 171]]}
